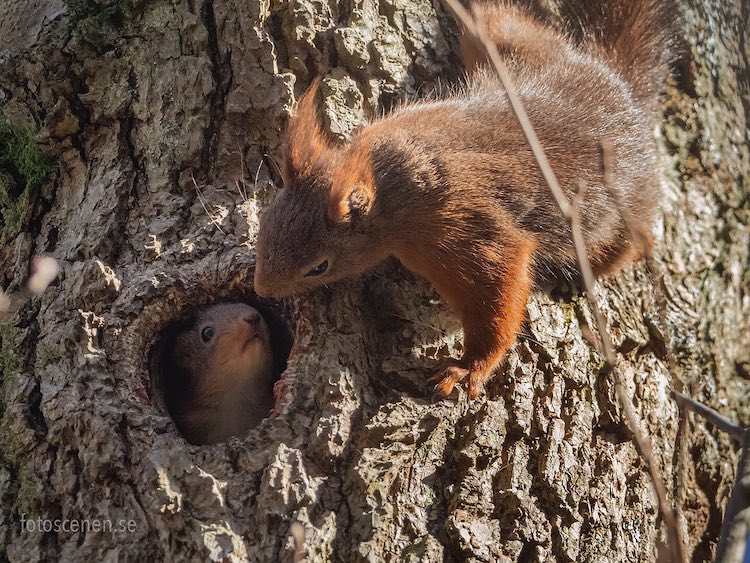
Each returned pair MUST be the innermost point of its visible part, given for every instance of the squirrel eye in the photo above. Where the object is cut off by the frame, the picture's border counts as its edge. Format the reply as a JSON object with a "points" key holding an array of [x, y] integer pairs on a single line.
{"points": [[207, 333], [317, 270]]}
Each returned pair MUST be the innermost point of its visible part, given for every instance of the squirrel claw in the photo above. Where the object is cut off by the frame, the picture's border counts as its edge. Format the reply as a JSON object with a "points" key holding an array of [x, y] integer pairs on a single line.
{"points": [[448, 376], [450, 372]]}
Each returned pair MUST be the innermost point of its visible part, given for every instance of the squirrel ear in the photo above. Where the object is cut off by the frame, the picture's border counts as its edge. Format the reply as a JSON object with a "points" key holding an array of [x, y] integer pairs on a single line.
{"points": [[352, 186], [305, 140], [351, 203]]}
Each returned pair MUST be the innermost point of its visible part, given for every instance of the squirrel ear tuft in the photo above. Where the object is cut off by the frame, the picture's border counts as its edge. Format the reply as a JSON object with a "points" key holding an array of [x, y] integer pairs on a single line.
{"points": [[305, 140], [349, 204]]}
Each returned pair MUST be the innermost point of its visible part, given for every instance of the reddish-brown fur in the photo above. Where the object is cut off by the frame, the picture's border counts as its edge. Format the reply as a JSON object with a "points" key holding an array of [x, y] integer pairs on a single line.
{"points": [[451, 189], [514, 31]]}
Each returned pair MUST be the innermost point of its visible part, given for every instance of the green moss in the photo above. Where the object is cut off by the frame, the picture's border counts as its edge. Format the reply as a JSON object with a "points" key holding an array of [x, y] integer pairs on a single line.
{"points": [[23, 170], [110, 13]]}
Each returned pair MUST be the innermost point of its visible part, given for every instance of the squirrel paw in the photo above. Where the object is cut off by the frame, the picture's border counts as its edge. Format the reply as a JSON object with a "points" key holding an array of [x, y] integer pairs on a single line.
{"points": [[447, 379], [451, 372]]}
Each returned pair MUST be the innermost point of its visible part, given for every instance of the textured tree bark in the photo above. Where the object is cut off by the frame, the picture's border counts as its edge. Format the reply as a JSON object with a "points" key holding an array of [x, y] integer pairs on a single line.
{"points": [[151, 111]]}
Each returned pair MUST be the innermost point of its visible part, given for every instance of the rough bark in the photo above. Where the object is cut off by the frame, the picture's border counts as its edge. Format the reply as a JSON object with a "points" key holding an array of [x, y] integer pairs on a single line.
{"points": [[143, 104]]}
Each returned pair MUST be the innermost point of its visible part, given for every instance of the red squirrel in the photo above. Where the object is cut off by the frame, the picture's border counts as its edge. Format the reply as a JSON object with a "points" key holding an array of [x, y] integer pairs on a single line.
{"points": [[450, 186]]}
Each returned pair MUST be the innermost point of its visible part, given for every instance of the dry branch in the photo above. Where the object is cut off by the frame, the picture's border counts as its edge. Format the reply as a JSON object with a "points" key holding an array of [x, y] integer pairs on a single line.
{"points": [[718, 420], [570, 211], [735, 528]]}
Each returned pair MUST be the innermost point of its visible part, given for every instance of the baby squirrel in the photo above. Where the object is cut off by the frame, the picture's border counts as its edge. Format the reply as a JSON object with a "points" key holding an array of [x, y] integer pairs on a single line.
{"points": [[218, 370], [451, 189]]}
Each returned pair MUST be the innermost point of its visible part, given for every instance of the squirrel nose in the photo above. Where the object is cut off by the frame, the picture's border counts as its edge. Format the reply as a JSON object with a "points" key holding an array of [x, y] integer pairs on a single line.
{"points": [[261, 290]]}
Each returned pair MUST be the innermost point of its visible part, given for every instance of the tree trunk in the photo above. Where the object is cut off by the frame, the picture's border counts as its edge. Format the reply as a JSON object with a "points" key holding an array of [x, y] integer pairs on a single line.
{"points": [[149, 113]]}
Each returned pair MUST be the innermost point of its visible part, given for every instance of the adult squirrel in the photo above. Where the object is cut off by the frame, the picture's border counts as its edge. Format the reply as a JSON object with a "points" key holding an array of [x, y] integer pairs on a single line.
{"points": [[450, 187], [218, 372]]}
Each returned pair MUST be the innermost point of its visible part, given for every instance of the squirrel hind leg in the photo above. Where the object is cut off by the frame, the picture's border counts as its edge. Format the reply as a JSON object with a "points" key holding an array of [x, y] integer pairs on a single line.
{"points": [[614, 257]]}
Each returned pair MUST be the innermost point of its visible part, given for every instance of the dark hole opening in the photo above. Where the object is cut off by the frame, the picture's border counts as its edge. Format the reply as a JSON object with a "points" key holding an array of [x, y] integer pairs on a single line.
{"points": [[282, 338], [170, 387]]}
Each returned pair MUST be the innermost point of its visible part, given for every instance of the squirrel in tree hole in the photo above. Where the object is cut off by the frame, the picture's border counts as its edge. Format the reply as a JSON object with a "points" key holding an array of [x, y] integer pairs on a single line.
{"points": [[450, 186], [218, 372]]}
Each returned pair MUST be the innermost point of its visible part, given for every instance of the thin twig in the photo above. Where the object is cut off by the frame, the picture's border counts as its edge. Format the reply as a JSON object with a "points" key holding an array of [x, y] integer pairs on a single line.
{"points": [[570, 212], [205, 204], [642, 241], [239, 190], [718, 420], [275, 165], [243, 189], [588, 274], [735, 526], [419, 323], [257, 176]]}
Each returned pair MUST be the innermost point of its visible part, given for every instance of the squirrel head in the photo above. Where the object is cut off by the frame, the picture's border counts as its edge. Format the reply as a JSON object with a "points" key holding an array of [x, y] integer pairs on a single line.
{"points": [[219, 371], [228, 341], [318, 228]]}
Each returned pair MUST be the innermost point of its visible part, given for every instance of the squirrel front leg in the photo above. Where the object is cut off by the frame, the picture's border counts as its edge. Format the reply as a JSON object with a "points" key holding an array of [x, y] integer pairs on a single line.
{"points": [[489, 292], [490, 325]]}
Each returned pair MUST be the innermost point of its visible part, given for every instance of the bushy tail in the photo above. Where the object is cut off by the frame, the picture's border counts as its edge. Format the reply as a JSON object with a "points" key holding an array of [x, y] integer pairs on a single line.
{"points": [[638, 37]]}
